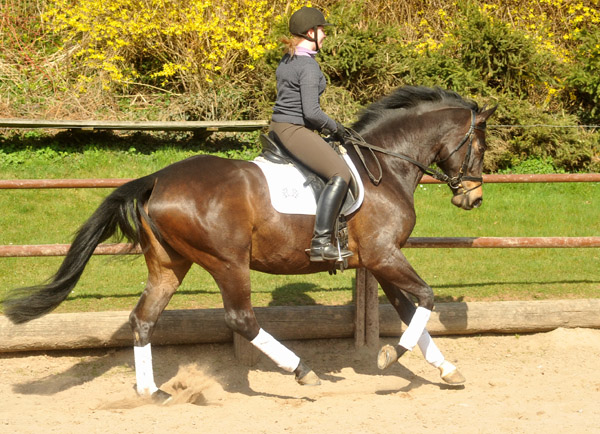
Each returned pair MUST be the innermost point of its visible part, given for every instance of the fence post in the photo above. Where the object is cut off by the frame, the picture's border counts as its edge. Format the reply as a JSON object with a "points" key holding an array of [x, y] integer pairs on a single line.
{"points": [[359, 308], [366, 321]]}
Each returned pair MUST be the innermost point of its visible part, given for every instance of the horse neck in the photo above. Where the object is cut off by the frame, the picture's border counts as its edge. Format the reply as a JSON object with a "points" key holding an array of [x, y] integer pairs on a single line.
{"points": [[418, 137]]}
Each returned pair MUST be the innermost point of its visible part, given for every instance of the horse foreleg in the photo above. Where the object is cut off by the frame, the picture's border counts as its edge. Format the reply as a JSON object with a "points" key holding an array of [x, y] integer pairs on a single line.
{"points": [[390, 354], [448, 372]]}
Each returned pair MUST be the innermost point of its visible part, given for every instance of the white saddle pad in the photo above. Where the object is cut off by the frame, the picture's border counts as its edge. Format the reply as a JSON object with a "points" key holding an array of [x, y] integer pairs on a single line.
{"points": [[287, 190]]}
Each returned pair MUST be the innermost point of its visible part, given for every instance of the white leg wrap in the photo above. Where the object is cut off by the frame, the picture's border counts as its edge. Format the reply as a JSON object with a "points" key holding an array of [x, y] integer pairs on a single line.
{"points": [[415, 329], [430, 350], [143, 370], [283, 357]]}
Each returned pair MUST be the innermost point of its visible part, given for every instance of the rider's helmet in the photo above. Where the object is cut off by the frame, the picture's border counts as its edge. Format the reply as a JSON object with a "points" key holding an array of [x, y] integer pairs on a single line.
{"points": [[305, 19]]}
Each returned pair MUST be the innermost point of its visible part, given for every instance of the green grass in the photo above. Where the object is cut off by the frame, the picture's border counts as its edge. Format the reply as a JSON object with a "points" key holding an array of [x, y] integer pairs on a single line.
{"points": [[109, 283], [512, 210]]}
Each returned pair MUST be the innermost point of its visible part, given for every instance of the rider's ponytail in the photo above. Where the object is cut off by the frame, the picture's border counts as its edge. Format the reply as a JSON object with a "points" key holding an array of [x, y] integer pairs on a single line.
{"points": [[290, 44]]}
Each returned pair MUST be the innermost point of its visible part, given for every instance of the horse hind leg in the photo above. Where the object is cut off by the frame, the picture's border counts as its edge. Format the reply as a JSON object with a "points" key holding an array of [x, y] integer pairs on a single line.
{"points": [[166, 270], [240, 317]]}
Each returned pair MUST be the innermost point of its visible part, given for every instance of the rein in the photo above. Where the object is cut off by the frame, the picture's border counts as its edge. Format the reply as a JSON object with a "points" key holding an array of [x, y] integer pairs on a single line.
{"points": [[454, 182]]}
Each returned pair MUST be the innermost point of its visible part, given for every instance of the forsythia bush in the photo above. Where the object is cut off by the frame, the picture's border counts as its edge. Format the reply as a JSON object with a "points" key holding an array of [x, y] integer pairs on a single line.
{"points": [[216, 59], [165, 41]]}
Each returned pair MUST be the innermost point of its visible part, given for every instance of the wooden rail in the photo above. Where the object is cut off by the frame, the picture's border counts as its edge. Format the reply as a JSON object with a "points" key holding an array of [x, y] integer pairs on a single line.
{"points": [[116, 182], [89, 125], [530, 178], [40, 250]]}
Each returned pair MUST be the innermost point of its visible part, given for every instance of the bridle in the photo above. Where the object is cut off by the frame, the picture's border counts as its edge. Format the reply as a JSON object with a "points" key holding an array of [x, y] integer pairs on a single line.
{"points": [[454, 182]]}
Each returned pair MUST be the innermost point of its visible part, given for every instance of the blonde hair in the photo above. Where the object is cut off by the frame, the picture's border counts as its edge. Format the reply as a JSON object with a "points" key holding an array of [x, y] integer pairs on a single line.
{"points": [[290, 44]]}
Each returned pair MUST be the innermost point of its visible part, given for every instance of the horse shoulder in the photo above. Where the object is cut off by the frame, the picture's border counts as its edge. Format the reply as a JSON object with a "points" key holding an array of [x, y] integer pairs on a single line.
{"points": [[384, 213]]}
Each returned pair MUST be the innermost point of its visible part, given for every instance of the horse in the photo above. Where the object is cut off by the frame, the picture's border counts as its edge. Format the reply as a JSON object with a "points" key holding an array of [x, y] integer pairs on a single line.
{"points": [[216, 212]]}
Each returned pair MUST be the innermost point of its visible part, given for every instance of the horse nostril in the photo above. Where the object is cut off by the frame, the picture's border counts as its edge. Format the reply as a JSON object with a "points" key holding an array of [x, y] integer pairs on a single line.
{"points": [[477, 203]]}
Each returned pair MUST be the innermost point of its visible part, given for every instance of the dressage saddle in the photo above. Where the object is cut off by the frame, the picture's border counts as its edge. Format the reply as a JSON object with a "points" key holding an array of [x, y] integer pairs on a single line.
{"points": [[274, 151]]}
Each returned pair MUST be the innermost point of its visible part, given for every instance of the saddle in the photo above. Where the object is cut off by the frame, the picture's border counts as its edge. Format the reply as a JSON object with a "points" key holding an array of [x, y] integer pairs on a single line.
{"points": [[274, 151]]}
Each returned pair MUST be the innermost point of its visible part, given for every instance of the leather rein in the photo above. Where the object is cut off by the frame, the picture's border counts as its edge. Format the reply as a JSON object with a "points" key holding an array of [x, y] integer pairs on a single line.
{"points": [[454, 182]]}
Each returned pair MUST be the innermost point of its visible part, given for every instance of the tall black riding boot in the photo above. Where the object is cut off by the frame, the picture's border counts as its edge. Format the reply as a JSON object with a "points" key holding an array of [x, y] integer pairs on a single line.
{"points": [[328, 207]]}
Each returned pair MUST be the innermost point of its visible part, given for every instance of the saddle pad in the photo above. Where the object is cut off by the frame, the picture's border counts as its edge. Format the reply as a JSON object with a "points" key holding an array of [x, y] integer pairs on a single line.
{"points": [[288, 193]]}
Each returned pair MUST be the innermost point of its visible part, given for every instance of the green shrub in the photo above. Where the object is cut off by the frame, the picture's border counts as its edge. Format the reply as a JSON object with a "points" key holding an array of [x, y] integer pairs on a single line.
{"points": [[537, 134], [583, 81], [361, 56], [504, 57], [216, 60], [534, 165]]}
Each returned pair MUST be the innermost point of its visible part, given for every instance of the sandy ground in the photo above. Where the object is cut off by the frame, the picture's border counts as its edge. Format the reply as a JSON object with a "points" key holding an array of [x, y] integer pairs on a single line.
{"points": [[546, 382]]}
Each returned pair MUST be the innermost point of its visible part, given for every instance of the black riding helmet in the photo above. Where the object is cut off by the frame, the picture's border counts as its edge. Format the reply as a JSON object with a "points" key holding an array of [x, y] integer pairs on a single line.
{"points": [[305, 19]]}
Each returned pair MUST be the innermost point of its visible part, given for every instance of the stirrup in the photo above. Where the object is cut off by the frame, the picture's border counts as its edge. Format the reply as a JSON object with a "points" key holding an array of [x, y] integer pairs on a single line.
{"points": [[318, 253]]}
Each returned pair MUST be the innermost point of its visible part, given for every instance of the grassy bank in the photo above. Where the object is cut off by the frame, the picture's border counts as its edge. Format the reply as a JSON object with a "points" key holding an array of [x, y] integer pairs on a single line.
{"points": [[51, 216]]}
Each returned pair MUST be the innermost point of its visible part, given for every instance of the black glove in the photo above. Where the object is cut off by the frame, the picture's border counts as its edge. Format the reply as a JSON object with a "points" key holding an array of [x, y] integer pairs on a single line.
{"points": [[340, 133]]}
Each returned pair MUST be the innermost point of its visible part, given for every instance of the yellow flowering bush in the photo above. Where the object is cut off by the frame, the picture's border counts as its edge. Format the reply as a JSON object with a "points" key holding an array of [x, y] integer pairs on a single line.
{"points": [[215, 59], [553, 26], [156, 41]]}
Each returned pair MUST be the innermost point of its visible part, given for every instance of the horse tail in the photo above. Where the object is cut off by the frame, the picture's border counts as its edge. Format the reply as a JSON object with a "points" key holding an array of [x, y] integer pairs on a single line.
{"points": [[120, 213]]}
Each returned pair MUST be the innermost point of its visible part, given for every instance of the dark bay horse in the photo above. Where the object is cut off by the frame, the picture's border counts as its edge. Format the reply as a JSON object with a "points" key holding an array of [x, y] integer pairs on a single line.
{"points": [[216, 213]]}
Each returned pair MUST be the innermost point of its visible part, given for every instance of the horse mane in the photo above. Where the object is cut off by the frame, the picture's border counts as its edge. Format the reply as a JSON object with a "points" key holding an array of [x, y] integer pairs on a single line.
{"points": [[411, 100]]}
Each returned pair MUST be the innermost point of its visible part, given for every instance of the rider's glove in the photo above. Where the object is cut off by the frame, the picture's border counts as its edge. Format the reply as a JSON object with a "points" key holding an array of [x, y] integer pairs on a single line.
{"points": [[339, 134]]}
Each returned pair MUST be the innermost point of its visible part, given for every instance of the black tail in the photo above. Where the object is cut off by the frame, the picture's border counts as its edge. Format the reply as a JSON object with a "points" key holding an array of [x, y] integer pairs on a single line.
{"points": [[120, 211]]}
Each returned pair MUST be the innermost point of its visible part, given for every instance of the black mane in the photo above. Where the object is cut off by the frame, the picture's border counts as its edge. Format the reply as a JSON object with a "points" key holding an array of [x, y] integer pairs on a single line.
{"points": [[411, 98]]}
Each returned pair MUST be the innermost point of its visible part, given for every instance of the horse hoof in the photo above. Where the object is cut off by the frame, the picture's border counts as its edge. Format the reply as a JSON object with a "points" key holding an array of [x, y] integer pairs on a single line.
{"points": [[306, 376], [450, 374], [161, 397], [310, 379], [388, 355]]}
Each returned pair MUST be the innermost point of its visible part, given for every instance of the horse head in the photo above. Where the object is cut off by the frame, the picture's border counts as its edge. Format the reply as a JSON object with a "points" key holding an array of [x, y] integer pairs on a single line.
{"points": [[426, 126], [461, 160]]}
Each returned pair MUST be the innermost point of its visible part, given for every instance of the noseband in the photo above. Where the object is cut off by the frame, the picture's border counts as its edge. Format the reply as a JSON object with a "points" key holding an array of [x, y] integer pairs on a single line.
{"points": [[454, 182]]}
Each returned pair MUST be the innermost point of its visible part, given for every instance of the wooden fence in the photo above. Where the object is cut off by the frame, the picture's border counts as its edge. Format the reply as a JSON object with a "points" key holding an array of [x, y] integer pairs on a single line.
{"points": [[90, 125], [365, 321]]}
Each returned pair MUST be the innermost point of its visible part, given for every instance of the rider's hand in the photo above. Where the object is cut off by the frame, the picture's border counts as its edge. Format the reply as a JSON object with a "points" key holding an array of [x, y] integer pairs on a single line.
{"points": [[340, 133]]}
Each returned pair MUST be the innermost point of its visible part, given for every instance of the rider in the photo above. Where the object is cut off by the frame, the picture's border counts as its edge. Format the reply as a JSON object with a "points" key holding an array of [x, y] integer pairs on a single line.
{"points": [[297, 117]]}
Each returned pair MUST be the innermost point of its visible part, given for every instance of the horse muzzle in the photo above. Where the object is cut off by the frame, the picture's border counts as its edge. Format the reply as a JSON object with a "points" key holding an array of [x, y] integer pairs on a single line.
{"points": [[468, 195]]}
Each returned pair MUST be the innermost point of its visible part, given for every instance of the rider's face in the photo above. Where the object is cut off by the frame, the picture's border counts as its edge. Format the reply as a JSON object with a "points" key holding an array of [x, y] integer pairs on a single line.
{"points": [[320, 35]]}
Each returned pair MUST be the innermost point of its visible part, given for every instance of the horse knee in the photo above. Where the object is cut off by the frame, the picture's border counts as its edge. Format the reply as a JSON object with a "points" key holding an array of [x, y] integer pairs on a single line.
{"points": [[243, 322]]}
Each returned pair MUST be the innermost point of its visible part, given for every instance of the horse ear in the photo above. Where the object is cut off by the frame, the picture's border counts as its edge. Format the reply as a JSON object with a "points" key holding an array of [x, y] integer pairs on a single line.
{"points": [[485, 114]]}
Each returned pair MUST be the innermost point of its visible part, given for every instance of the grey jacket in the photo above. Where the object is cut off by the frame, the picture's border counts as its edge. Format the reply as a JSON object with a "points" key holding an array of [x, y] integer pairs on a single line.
{"points": [[300, 83]]}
